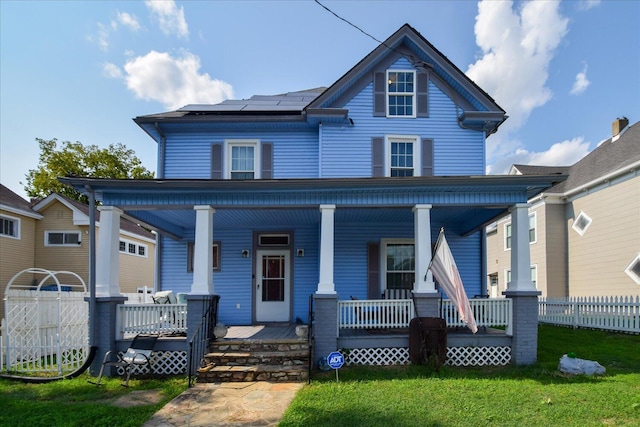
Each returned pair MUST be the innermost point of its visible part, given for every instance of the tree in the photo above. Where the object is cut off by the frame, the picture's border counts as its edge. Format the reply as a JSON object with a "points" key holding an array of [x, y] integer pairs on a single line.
{"points": [[76, 159]]}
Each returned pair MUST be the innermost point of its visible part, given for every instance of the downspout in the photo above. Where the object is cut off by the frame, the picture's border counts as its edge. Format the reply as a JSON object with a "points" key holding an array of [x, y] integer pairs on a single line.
{"points": [[162, 142], [161, 152], [92, 264]]}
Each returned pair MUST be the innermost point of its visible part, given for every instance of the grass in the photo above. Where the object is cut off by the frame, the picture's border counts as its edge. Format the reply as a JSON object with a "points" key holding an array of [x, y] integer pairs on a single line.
{"points": [[512, 396], [76, 402], [401, 396]]}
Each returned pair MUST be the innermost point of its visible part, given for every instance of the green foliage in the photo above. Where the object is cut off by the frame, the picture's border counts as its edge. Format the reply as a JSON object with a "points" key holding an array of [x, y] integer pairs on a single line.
{"points": [[76, 159]]}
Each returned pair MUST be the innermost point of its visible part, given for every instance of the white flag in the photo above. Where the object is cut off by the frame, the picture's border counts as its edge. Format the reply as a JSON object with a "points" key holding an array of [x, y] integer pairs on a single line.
{"points": [[445, 271]]}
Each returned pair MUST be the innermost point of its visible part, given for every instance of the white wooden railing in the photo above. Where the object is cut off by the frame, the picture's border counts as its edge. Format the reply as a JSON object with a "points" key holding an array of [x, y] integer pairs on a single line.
{"points": [[379, 313], [488, 312], [609, 313], [165, 319], [383, 313]]}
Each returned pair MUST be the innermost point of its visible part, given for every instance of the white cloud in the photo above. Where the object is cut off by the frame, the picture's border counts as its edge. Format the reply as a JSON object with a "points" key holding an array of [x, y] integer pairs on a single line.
{"points": [[588, 4], [564, 153], [102, 36], [581, 83], [517, 47], [170, 17], [174, 82], [129, 21], [111, 70]]}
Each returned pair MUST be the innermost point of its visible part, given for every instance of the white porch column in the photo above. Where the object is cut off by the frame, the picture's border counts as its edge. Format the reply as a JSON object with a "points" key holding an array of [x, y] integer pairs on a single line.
{"points": [[520, 252], [422, 240], [326, 285], [203, 252], [108, 251]]}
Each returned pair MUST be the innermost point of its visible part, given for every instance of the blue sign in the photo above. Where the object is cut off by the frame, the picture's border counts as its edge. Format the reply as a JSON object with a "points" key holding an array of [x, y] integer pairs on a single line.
{"points": [[335, 359]]}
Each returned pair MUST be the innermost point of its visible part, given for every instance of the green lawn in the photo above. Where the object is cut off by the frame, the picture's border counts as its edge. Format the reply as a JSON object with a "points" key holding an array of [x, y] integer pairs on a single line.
{"points": [[531, 396], [409, 396]]}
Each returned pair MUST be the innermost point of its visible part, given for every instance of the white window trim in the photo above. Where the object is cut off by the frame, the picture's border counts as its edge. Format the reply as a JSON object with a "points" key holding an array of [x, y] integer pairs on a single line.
{"points": [[531, 242], [138, 245], [72, 245], [229, 143], [16, 227], [586, 227], [383, 257], [630, 272], [413, 94], [417, 152]]}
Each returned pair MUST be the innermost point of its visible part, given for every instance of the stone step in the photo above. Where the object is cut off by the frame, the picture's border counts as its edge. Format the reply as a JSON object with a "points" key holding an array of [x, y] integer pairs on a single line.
{"points": [[255, 357], [246, 345], [260, 372]]}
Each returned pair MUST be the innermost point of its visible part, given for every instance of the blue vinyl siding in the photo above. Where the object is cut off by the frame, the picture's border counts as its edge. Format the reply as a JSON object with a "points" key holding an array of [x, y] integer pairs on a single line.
{"points": [[295, 152], [305, 270], [346, 150]]}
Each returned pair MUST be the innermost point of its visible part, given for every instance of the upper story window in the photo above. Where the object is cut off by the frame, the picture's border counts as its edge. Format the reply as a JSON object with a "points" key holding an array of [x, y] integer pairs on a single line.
{"points": [[582, 223], [9, 227], [62, 238], [633, 269], [532, 232], [401, 94], [242, 159]]}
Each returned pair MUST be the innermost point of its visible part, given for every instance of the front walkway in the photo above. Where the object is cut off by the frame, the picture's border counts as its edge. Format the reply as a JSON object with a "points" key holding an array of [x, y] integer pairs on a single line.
{"points": [[227, 404]]}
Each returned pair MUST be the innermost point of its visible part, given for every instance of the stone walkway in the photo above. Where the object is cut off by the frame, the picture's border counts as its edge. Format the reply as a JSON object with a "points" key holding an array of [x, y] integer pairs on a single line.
{"points": [[227, 404]]}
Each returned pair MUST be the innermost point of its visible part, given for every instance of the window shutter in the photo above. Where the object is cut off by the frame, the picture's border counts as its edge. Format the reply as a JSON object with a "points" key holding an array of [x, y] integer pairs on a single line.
{"points": [[422, 90], [373, 270], [427, 157], [216, 160], [379, 94], [266, 171], [377, 156]]}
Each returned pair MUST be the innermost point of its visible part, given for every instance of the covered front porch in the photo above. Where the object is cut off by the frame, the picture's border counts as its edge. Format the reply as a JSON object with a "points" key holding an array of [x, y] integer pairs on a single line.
{"points": [[336, 230]]}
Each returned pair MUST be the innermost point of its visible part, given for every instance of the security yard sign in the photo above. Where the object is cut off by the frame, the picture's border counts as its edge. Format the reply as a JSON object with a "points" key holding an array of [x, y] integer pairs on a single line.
{"points": [[335, 360]]}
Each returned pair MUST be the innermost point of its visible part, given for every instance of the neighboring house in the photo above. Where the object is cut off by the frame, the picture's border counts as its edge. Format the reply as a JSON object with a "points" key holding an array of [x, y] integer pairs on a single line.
{"points": [[54, 234], [333, 192], [585, 231]]}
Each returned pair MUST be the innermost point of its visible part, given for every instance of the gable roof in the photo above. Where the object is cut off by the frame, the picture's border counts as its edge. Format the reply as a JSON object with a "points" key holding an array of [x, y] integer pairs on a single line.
{"points": [[614, 156], [478, 109], [81, 215], [11, 202]]}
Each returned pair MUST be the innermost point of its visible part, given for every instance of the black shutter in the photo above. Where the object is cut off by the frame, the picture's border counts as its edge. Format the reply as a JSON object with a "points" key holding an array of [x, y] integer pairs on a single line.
{"points": [[422, 90], [216, 160], [266, 171], [373, 271], [377, 156], [427, 157], [379, 94]]}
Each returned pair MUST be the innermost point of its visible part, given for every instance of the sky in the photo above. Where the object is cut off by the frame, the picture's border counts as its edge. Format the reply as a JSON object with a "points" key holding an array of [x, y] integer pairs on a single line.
{"points": [[81, 71]]}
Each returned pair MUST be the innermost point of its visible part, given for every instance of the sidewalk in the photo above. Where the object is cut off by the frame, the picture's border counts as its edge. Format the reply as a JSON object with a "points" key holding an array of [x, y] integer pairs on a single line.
{"points": [[227, 404]]}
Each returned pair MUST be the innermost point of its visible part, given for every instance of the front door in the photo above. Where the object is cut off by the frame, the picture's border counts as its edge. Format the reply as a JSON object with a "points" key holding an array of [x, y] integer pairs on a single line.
{"points": [[273, 293]]}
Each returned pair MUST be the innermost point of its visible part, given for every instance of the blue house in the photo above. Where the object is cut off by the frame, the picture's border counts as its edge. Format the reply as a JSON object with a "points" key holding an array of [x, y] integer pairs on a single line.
{"points": [[336, 193]]}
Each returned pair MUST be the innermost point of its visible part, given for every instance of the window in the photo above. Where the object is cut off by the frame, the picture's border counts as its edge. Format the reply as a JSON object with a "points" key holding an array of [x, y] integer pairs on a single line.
{"points": [[243, 160], [582, 223], [532, 232], [133, 248], [403, 156], [9, 227], [273, 240], [534, 275], [633, 270], [401, 91], [62, 238], [216, 256], [399, 264]]}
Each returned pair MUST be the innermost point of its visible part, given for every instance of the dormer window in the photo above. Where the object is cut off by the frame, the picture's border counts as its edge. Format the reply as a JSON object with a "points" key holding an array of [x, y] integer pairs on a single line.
{"points": [[401, 94]]}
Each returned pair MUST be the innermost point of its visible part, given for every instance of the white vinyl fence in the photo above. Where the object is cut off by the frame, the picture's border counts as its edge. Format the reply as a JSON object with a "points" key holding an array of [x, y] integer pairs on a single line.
{"points": [[164, 319], [620, 314]]}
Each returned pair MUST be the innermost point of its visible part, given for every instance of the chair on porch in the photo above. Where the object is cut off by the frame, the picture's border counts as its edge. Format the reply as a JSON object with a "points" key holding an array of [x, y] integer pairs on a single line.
{"points": [[138, 354]]}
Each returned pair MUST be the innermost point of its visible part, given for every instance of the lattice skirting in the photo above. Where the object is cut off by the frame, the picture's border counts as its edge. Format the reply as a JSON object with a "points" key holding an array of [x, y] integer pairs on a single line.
{"points": [[456, 356], [162, 363]]}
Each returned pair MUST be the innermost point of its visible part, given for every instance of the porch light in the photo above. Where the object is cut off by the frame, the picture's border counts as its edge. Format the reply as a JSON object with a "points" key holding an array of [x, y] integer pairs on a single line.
{"points": [[245, 253], [300, 252]]}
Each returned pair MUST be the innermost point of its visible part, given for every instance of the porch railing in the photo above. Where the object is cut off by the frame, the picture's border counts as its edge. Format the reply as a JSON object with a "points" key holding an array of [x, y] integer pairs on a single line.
{"points": [[488, 312], [381, 313], [370, 314], [164, 319]]}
